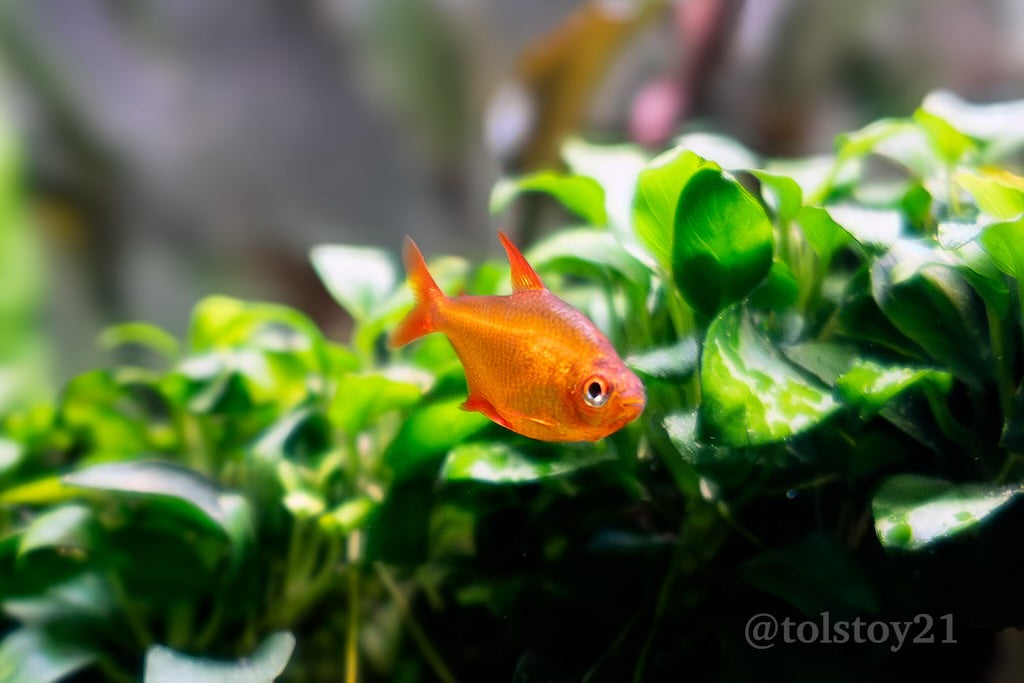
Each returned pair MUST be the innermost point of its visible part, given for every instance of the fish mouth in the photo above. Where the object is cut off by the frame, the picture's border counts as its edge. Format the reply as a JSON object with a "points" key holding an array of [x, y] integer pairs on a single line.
{"points": [[634, 403]]}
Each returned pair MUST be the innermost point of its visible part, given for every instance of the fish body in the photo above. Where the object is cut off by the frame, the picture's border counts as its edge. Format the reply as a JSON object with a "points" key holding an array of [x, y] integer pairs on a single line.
{"points": [[533, 363]]}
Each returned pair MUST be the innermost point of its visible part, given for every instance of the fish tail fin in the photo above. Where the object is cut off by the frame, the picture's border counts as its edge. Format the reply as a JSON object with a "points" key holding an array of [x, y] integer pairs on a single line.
{"points": [[420, 320]]}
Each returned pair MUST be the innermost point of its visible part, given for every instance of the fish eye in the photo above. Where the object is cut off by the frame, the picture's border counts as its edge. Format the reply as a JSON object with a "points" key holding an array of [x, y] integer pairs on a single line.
{"points": [[596, 392]]}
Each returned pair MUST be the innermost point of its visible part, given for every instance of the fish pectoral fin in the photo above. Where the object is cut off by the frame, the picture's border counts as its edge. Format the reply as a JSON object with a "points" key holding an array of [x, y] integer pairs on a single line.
{"points": [[478, 404], [523, 417]]}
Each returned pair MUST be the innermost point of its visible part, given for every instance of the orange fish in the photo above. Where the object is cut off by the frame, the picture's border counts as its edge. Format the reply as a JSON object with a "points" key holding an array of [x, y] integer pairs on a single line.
{"points": [[534, 364]]}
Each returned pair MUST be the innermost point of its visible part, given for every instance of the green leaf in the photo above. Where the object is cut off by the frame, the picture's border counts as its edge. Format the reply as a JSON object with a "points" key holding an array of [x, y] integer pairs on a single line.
{"points": [[83, 596], [670, 363], [949, 144], [359, 278], [615, 168], [579, 194], [658, 190], [751, 394], [220, 322], [349, 516], [783, 194], [29, 655], [869, 386], [265, 664], [824, 235], [61, 527], [360, 399], [778, 291], [720, 149], [814, 574], [818, 176], [998, 125], [1004, 242], [930, 302], [299, 434], [163, 479], [141, 334], [11, 455], [586, 251], [913, 511], [901, 140], [38, 492], [497, 463], [874, 229], [430, 431], [998, 193], [722, 246]]}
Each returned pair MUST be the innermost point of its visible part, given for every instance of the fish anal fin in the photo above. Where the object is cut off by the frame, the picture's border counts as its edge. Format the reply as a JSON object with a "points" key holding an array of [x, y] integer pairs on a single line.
{"points": [[479, 404], [524, 277]]}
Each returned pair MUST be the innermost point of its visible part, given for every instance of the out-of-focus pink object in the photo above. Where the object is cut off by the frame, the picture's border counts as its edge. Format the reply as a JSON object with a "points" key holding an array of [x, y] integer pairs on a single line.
{"points": [[656, 112]]}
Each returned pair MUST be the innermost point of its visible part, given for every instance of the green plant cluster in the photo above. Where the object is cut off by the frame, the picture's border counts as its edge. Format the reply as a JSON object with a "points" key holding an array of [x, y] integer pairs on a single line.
{"points": [[833, 351]]}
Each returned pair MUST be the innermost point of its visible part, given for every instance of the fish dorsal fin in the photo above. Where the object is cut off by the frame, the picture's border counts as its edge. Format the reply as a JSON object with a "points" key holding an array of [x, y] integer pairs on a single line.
{"points": [[523, 275]]}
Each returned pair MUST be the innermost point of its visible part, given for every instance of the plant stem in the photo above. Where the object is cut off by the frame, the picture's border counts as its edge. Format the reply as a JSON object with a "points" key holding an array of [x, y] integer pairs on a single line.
{"points": [[427, 648], [352, 633], [1005, 383]]}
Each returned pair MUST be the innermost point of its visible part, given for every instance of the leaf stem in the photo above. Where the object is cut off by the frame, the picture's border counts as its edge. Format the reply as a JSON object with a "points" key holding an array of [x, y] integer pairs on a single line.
{"points": [[427, 648]]}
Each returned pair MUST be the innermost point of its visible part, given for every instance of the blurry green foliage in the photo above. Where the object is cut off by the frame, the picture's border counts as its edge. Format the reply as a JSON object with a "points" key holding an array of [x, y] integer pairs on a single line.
{"points": [[833, 361]]}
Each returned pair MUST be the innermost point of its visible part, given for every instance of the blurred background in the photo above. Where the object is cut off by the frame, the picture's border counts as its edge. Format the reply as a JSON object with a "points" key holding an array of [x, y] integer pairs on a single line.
{"points": [[175, 149]]}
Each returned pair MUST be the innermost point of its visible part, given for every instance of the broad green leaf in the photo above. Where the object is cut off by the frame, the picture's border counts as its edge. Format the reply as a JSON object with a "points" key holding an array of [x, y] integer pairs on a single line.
{"points": [[930, 302], [751, 393], [901, 140], [141, 334], [947, 142], [814, 574], [303, 504], [825, 360], [724, 151], [579, 194], [869, 386], [824, 235], [722, 246], [585, 251], [300, 434], [430, 431], [30, 655], [11, 454], [360, 399], [778, 291], [1004, 242], [615, 168], [997, 124], [359, 278], [347, 517], [817, 177], [264, 665], [913, 511], [998, 193], [60, 527], [497, 463], [38, 492], [953, 234], [674, 362], [83, 596], [152, 477], [658, 190], [220, 322], [874, 229], [783, 194]]}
